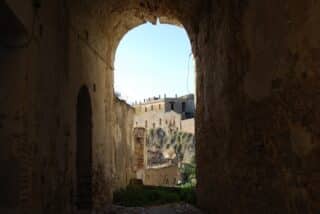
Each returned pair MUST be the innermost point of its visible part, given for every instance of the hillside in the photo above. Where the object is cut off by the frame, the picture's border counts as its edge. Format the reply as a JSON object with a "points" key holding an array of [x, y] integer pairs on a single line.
{"points": [[165, 147]]}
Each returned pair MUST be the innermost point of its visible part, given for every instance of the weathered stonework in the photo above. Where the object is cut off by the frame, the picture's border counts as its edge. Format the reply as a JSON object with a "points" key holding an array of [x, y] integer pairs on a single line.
{"points": [[162, 176], [264, 84], [123, 154], [188, 126], [139, 135], [257, 99]]}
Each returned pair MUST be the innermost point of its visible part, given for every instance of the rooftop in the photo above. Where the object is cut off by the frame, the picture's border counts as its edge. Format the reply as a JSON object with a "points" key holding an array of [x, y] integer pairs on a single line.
{"points": [[159, 99]]}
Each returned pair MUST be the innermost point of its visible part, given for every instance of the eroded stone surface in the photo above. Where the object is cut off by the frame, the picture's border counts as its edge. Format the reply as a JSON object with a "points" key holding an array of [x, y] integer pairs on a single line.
{"points": [[257, 125]]}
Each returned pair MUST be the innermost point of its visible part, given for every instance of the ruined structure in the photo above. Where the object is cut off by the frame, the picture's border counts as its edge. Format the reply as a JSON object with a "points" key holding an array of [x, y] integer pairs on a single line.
{"points": [[140, 161], [123, 144], [162, 176], [166, 175], [160, 155], [257, 124]]}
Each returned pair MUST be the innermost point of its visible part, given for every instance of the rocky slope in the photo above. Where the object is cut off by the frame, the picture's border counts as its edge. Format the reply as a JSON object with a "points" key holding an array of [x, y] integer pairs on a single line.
{"points": [[165, 147]]}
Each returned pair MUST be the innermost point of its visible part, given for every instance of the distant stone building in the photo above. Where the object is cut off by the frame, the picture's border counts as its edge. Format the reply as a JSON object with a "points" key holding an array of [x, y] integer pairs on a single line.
{"points": [[166, 113], [161, 121], [165, 120]]}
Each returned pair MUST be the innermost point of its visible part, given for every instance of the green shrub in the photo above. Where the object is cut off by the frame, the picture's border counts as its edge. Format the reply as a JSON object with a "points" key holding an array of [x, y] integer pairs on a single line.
{"points": [[139, 195], [188, 194]]}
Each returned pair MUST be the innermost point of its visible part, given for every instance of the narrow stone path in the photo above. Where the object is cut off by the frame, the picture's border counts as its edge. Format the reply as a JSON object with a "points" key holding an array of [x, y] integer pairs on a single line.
{"points": [[179, 208]]}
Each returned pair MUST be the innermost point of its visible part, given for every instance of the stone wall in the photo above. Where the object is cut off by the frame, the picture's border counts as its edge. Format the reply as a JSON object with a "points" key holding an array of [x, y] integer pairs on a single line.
{"points": [[37, 127], [188, 126], [139, 135], [123, 153], [154, 106], [257, 100], [162, 176], [139, 147], [158, 104], [153, 120]]}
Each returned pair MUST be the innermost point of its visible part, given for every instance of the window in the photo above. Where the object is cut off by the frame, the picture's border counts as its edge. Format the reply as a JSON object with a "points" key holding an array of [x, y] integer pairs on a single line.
{"points": [[146, 124], [159, 106], [154, 125], [183, 107], [151, 107], [145, 109], [171, 105], [160, 121]]}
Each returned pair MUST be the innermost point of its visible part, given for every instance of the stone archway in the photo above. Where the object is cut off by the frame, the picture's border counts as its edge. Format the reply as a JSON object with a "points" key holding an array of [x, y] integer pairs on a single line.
{"points": [[104, 35], [126, 15], [257, 100], [84, 150]]}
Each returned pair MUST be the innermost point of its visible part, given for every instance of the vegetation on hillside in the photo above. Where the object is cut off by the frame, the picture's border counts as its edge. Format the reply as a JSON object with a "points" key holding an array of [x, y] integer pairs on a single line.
{"points": [[183, 146], [181, 143], [176, 146], [188, 174]]}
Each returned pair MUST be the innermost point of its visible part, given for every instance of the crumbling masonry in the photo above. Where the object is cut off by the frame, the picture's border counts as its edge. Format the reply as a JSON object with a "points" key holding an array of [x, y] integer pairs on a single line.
{"points": [[258, 101]]}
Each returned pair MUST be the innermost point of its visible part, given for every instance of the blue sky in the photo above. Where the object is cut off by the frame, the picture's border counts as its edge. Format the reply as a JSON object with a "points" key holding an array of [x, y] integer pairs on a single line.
{"points": [[153, 60]]}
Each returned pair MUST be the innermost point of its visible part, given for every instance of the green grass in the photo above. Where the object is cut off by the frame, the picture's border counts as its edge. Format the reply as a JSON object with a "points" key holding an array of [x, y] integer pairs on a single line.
{"points": [[139, 195]]}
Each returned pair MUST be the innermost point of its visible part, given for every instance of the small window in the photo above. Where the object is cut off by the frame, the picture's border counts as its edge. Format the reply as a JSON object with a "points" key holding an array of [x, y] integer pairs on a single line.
{"points": [[146, 124], [154, 125], [172, 105], [151, 107], [160, 121], [183, 107], [145, 109], [159, 106], [166, 122]]}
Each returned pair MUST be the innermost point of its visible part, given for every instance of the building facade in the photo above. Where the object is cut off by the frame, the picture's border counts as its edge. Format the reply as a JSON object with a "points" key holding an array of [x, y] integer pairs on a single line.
{"points": [[166, 113], [183, 105], [166, 122]]}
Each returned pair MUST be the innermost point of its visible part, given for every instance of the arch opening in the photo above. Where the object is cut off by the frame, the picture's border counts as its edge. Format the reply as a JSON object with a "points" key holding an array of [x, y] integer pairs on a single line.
{"points": [[84, 150], [167, 101]]}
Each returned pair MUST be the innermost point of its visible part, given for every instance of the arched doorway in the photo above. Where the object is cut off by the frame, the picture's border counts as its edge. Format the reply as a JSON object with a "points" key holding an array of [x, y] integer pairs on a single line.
{"points": [[84, 150], [170, 66]]}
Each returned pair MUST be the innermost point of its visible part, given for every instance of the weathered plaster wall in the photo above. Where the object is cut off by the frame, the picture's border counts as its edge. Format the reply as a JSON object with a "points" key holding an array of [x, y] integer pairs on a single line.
{"points": [[257, 100], [123, 149], [164, 176], [257, 75], [166, 120], [95, 29], [139, 135], [40, 82], [140, 160], [188, 125], [34, 170]]}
